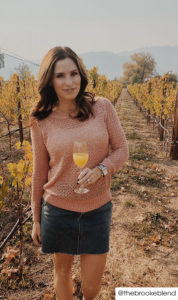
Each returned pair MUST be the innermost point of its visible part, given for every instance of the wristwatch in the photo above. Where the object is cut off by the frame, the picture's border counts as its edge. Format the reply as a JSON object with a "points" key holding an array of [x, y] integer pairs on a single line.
{"points": [[103, 169]]}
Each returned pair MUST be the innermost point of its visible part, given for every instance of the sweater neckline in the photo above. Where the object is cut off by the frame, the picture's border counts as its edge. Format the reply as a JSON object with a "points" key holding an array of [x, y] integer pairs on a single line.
{"points": [[67, 117], [67, 120], [56, 116]]}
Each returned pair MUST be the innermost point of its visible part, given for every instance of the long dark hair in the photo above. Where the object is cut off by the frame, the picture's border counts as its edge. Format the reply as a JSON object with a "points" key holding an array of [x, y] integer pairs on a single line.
{"points": [[48, 97]]}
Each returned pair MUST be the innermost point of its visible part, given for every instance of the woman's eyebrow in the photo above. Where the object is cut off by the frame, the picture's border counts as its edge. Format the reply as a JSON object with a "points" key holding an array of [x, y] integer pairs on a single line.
{"points": [[63, 73]]}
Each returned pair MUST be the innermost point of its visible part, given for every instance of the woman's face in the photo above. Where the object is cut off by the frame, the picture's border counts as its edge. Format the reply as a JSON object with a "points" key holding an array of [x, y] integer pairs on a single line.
{"points": [[66, 79]]}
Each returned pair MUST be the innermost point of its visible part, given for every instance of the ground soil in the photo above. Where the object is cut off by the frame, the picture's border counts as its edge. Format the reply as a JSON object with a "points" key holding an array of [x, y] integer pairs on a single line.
{"points": [[143, 242]]}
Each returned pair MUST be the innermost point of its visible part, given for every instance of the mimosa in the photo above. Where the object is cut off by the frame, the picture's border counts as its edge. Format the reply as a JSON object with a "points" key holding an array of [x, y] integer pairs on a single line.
{"points": [[80, 159]]}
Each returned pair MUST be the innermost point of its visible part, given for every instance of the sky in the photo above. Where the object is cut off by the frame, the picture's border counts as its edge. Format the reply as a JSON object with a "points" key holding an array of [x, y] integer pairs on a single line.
{"points": [[30, 28]]}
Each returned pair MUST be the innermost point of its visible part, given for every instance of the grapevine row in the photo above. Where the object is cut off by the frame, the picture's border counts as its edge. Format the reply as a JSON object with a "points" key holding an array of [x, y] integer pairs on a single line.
{"points": [[157, 97]]}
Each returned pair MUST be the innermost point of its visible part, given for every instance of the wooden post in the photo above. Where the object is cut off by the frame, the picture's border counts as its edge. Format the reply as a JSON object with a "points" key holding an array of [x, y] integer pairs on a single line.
{"points": [[174, 146], [161, 120], [19, 112], [161, 130]]}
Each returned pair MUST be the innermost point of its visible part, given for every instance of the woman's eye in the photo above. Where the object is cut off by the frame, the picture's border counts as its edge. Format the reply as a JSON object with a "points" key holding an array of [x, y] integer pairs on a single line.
{"points": [[61, 75]]}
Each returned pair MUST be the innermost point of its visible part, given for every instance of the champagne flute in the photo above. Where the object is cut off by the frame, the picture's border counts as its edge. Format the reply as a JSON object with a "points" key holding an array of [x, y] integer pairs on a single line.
{"points": [[80, 158]]}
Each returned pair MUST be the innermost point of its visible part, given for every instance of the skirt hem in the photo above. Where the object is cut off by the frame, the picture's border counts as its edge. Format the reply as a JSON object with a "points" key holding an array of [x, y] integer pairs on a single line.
{"points": [[43, 253]]}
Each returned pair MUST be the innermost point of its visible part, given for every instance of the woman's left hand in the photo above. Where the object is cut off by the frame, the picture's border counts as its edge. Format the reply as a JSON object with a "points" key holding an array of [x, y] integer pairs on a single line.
{"points": [[89, 176]]}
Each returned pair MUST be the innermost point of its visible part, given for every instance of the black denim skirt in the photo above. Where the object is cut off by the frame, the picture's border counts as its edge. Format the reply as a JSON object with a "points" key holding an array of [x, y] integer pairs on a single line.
{"points": [[74, 233]]}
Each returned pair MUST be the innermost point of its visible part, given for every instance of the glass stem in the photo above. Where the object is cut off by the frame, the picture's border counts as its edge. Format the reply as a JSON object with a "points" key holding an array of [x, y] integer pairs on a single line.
{"points": [[81, 185]]}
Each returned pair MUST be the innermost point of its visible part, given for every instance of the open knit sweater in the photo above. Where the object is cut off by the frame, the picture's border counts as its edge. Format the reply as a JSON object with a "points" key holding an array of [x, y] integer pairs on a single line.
{"points": [[55, 174]]}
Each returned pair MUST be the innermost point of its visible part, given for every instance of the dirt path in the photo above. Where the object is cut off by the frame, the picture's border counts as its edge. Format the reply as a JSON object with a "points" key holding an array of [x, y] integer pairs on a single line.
{"points": [[144, 249], [146, 209]]}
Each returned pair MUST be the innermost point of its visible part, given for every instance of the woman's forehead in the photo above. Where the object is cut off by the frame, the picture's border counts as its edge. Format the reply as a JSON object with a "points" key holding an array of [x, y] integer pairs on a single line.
{"points": [[66, 64]]}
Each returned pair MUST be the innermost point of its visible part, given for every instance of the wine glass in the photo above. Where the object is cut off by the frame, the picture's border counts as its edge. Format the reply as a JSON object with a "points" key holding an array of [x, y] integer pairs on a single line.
{"points": [[80, 158]]}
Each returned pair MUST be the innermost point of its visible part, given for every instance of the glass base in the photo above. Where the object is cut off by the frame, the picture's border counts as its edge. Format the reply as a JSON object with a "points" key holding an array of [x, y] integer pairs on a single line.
{"points": [[81, 190]]}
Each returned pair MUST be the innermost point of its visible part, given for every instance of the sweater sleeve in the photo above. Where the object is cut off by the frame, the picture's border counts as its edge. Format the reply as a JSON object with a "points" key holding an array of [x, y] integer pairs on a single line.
{"points": [[40, 169], [117, 140]]}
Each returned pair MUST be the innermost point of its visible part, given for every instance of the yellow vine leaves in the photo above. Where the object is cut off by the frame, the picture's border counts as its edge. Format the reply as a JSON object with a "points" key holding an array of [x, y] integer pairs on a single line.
{"points": [[21, 172], [157, 95]]}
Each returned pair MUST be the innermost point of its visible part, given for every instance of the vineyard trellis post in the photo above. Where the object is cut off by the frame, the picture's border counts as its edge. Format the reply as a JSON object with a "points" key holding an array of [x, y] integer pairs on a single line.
{"points": [[19, 112], [161, 119], [174, 145]]}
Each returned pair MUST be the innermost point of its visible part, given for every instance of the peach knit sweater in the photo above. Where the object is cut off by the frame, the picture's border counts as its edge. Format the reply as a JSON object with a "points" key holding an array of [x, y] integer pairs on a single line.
{"points": [[54, 173]]}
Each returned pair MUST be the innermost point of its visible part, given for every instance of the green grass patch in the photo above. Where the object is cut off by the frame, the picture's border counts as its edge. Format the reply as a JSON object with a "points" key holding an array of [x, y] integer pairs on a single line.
{"points": [[151, 180], [117, 181], [133, 136], [141, 153]]}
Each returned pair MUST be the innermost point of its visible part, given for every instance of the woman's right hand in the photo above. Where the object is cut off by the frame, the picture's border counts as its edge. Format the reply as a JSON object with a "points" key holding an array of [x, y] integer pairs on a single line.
{"points": [[36, 233]]}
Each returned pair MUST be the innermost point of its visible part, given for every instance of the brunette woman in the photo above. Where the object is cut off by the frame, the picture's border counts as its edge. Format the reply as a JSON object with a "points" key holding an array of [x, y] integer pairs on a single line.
{"points": [[66, 223]]}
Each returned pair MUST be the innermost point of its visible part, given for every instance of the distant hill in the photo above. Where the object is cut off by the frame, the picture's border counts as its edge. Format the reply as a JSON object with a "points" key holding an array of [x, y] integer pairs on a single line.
{"points": [[108, 63]]}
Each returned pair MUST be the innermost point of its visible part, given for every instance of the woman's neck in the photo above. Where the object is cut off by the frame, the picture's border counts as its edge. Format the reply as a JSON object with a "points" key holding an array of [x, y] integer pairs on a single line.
{"points": [[66, 107]]}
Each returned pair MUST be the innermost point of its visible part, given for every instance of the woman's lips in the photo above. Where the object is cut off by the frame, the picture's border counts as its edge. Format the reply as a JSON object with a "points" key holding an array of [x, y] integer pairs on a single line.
{"points": [[69, 90]]}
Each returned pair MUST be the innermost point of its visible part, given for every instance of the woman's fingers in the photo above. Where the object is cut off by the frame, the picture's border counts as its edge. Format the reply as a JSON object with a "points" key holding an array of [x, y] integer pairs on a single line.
{"points": [[88, 176], [36, 236], [83, 173], [37, 240]]}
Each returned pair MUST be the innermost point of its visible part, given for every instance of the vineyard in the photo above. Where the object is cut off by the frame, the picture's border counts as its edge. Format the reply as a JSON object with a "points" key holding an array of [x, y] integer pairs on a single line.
{"points": [[157, 99], [143, 246]]}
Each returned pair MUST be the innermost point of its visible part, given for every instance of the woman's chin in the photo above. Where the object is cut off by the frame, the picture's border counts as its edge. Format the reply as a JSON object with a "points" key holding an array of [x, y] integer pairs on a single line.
{"points": [[71, 96]]}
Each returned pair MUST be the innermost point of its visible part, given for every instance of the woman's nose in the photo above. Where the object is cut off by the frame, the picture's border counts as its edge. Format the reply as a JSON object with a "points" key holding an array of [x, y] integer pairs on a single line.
{"points": [[68, 80]]}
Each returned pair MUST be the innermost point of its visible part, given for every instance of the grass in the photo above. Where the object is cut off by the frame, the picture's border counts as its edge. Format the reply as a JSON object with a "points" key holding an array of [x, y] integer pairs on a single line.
{"points": [[141, 153], [119, 180], [133, 136], [151, 180]]}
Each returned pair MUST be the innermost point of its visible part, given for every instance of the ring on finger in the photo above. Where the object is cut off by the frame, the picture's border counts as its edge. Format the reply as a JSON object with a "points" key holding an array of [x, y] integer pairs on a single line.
{"points": [[88, 180]]}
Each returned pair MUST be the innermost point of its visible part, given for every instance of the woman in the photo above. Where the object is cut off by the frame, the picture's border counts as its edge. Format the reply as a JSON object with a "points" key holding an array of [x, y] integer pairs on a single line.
{"points": [[66, 223]]}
